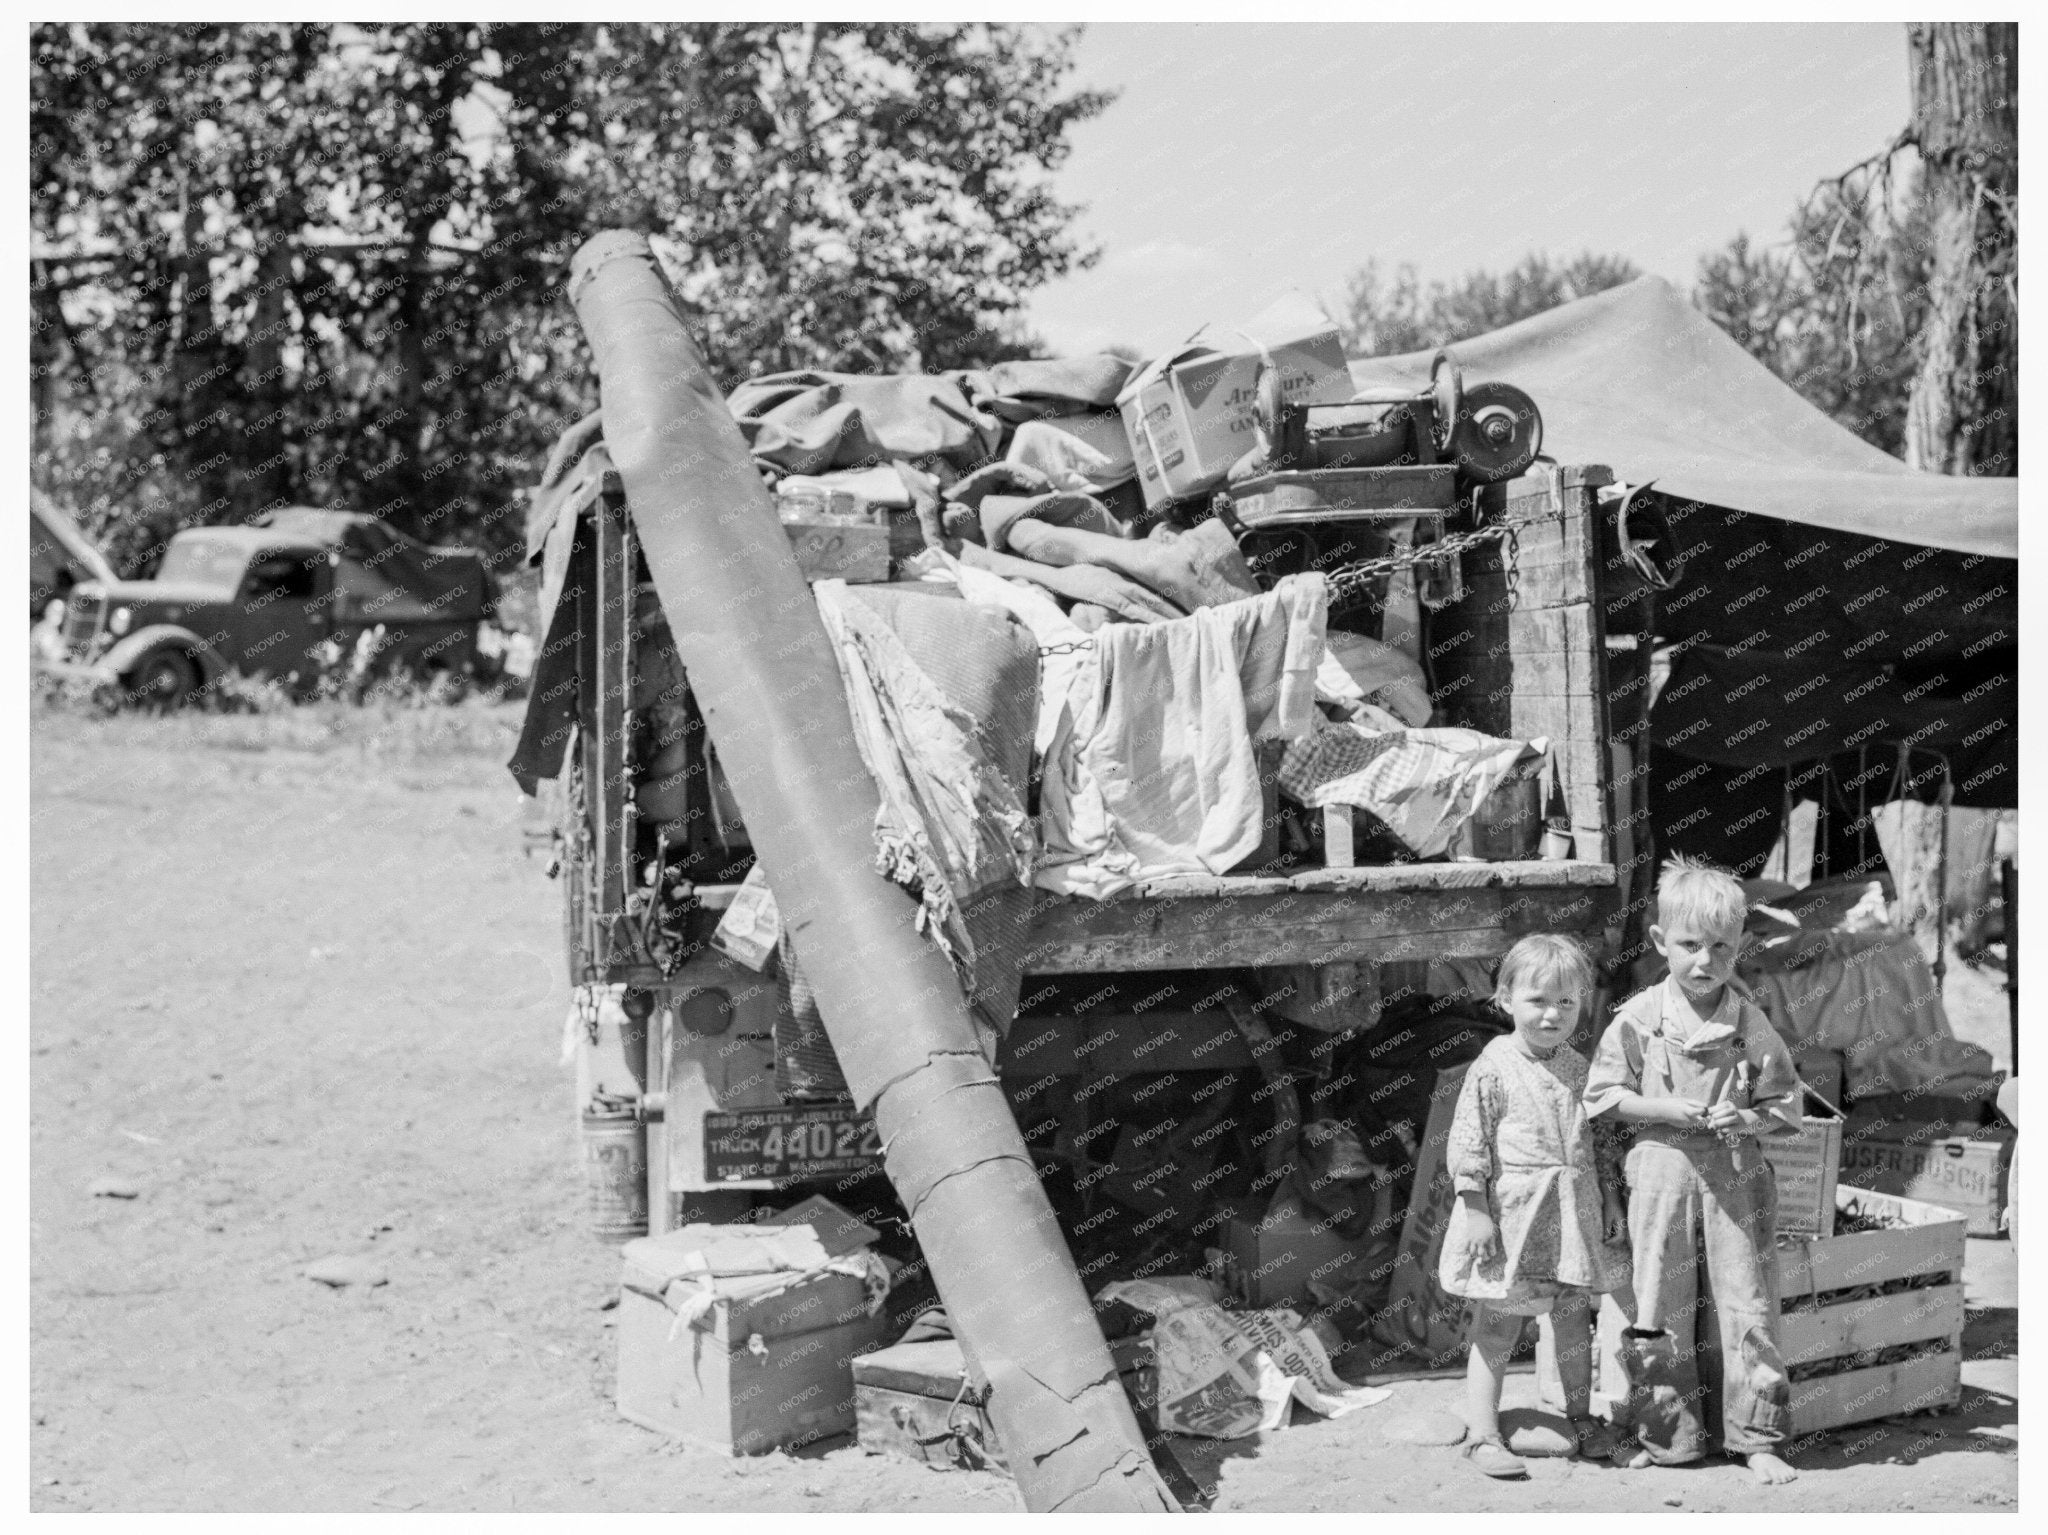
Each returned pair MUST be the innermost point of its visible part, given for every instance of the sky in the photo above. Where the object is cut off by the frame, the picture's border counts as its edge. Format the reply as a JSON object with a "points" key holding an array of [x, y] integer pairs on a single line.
{"points": [[1244, 160]]}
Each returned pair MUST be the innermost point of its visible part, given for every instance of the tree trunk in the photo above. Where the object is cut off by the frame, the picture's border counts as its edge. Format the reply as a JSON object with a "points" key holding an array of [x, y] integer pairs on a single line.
{"points": [[268, 479], [1962, 416]]}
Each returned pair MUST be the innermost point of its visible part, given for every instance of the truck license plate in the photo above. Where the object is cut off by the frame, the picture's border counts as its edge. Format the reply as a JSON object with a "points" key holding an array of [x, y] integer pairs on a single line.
{"points": [[809, 1142]]}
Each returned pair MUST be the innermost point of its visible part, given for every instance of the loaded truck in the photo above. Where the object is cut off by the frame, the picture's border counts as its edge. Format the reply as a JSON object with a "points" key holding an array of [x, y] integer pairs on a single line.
{"points": [[687, 720]]}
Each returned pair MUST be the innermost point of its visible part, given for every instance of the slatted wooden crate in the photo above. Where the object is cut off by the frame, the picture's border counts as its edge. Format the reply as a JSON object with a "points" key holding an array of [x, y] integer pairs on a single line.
{"points": [[1838, 1272]]}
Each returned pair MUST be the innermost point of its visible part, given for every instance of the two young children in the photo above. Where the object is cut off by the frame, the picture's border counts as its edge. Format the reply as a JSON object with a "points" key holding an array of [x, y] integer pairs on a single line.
{"points": [[1541, 1226]]}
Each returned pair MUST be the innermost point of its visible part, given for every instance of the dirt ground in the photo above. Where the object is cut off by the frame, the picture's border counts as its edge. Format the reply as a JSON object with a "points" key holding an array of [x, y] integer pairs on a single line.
{"points": [[297, 986]]}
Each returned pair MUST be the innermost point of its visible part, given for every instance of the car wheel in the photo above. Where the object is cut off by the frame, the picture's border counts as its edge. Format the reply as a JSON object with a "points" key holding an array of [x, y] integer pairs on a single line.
{"points": [[164, 681]]}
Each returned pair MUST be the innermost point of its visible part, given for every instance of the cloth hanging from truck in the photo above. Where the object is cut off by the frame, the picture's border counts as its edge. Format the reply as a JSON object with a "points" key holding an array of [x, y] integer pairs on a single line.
{"points": [[1155, 773], [941, 694], [1871, 996]]}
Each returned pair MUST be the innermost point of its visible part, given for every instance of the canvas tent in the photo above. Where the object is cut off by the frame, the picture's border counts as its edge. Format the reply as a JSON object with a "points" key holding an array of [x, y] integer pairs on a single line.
{"points": [[1834, 604], [58, 554]]}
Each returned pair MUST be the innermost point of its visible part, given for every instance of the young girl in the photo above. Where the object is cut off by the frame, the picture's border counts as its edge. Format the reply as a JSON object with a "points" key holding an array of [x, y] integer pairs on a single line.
{"points": [[1533, 1233]]}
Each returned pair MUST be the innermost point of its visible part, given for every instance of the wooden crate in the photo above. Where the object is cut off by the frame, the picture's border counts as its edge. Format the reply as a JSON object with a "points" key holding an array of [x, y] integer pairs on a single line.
{"points": [[1965, 1173], [850, 552], [1836, 1270]]}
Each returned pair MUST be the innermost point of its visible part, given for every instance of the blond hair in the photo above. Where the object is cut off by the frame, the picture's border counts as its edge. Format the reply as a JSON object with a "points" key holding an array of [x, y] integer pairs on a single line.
{"points": [[1539, 958], [1692, 890]]}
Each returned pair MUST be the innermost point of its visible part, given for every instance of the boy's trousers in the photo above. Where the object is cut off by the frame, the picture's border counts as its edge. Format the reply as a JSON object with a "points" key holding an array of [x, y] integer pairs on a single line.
{"points": [[1702, 1222]]}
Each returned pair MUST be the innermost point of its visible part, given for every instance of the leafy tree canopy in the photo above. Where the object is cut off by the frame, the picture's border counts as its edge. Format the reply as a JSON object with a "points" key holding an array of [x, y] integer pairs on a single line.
{"points": [[323, 263]]}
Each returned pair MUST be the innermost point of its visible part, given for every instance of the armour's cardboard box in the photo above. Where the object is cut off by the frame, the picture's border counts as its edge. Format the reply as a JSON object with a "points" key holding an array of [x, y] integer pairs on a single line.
{"points": [[1807, 1167], [1193, 414]]}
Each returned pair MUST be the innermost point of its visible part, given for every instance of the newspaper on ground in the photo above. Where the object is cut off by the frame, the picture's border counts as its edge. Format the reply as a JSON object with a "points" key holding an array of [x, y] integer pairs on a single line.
{"points": [[1227, 1374]]}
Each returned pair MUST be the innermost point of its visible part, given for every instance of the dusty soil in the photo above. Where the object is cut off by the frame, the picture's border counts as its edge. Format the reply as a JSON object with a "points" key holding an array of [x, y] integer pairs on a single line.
{"points": [[296, 984]]}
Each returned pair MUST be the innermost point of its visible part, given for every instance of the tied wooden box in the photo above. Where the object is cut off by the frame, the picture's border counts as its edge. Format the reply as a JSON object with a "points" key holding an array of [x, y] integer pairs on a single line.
{"points": [[1833, 1316], [768, 1365]]}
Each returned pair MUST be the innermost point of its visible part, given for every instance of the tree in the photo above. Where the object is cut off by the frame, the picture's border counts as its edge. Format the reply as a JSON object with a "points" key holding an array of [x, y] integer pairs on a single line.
{"points": [[1380, 316], [1894, 307], [324, 263], [1964, 414], [1834, 311], [1893, 304]]}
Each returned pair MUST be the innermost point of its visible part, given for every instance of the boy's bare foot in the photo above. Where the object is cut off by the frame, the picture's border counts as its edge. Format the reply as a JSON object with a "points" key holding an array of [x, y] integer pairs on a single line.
{"points": [[1629, 1458], [1771, 1469]]}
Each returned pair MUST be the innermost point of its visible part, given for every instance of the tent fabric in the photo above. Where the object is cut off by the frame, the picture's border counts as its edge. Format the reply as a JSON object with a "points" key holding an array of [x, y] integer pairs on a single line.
{"points": [[1637, 379], [411, 580], [55, 543]]}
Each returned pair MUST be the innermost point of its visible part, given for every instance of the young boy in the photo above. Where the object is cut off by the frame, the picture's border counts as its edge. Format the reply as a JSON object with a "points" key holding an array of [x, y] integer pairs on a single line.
{"points": [[1699, 1074]]}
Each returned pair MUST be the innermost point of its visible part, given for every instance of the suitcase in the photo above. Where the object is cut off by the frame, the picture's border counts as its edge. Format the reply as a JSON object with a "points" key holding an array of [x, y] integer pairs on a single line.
{"points": [[917, 1401]]}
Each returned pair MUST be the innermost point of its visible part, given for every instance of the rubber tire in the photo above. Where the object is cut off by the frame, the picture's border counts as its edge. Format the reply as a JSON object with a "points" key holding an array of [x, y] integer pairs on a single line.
{"points": [[162, 681]]}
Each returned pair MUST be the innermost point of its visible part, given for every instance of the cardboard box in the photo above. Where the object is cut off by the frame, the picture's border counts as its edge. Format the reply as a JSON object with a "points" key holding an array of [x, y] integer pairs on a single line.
{"points": [[1807, 1166], [1965, 1173], [768, 1365], [1193, 414], [1271, 1260], [854, 552]]}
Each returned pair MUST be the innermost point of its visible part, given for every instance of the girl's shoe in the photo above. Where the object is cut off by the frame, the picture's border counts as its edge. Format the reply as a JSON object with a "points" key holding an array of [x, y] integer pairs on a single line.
{"points": [[1596, 1440], [1493, 1459]]}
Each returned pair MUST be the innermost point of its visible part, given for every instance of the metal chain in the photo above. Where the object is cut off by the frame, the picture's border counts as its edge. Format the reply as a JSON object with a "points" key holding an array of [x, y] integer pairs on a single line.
{"points": [[1346, 580]]}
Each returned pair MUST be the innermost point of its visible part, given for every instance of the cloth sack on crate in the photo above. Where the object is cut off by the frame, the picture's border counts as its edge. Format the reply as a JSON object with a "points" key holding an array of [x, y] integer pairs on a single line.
{"points": [[1424, 784]]}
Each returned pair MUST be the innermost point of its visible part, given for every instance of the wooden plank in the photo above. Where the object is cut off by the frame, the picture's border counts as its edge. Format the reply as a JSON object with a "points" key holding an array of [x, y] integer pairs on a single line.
{"points": [[1337, 839], [608, 770], [1517, 874], [1932, 1244], [1858, 1396], [1301, 927], [1854, 1327]]}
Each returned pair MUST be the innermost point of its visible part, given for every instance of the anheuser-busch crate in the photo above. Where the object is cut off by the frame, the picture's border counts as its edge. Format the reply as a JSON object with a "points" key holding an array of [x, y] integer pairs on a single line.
{"points": [[1963, 1172], [1871, 1321]]}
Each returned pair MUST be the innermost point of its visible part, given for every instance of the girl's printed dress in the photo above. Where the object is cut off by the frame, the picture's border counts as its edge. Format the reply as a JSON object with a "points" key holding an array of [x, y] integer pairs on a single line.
{"points": [[1520, 1137]]}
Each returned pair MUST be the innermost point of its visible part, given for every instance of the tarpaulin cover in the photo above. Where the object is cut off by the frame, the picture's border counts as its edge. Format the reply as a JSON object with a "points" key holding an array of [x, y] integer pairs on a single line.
{"points": [[55, 542], [1637, 379], [436, 582]]}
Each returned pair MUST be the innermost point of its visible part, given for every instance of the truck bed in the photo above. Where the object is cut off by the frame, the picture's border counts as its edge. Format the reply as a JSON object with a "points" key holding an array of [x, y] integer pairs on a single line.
{"points": [[1381, 913]]}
